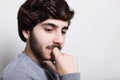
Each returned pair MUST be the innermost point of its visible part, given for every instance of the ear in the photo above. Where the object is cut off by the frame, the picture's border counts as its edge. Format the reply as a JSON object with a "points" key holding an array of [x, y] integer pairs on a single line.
{"points": [[26, 33]]}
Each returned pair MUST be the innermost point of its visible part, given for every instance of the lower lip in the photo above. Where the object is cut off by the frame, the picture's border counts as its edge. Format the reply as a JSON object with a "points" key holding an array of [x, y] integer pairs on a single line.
{"points": [[49, 48]]}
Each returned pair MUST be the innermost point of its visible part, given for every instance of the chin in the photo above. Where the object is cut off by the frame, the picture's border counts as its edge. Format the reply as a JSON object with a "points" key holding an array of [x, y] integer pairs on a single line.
{"points": [[48, 55]]}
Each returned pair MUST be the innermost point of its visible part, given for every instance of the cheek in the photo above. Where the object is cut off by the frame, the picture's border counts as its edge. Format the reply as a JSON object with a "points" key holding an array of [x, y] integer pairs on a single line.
{"points": [[42, 37], [44, 40]]}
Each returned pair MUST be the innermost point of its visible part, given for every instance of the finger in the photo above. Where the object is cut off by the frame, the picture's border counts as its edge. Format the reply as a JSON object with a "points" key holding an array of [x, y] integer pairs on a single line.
{"points": [[56, 53]]}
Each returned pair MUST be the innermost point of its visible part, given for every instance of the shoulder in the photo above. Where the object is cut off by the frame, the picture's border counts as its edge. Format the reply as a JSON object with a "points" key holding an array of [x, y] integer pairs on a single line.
{"points": [[22, 68], [15, 76], [16, 70], [17, 64]]}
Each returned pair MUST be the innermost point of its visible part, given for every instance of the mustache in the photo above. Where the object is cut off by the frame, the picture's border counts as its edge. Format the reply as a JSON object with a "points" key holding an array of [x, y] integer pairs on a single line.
{"points": [[53, 46]]}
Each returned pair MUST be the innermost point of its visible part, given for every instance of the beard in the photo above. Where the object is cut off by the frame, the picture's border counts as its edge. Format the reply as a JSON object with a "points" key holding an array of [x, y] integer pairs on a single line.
{"points": [[37, 48]]}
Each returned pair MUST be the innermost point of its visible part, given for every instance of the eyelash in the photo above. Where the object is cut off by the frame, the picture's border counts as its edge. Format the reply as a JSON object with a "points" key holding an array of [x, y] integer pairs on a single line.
{"points": [[51, 30], [63, 32]]}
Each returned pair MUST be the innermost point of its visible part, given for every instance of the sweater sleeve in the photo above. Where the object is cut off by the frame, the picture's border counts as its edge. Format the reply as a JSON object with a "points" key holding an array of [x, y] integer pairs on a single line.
{"points": [[71, 76]]}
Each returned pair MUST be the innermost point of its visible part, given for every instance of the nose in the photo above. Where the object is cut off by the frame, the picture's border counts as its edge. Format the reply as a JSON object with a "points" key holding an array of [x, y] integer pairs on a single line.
{"points": [[59, 39]]}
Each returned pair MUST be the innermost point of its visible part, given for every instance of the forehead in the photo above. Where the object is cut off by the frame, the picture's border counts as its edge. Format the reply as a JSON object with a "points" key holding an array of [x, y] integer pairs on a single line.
{"points": [[59, 23]]}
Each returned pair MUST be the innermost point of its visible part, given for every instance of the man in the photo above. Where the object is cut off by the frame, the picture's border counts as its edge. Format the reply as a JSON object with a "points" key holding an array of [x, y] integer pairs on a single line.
{"points": [[42, 24]]}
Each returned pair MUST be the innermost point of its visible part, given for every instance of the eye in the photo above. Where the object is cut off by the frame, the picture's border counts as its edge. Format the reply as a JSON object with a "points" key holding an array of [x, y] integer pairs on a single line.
{"points": [[48, 29], [64, 32]]}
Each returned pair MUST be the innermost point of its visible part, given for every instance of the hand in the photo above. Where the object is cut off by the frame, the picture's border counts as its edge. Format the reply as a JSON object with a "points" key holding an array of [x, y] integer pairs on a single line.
{"points": [[64, 64]]}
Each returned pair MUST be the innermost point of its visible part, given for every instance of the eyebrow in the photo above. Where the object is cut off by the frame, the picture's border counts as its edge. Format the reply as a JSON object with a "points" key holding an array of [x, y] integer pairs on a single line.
{"points": [[55, 26]]}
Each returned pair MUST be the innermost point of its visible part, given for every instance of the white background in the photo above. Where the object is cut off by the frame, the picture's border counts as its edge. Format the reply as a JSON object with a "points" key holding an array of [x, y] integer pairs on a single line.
{"points": [[94, 37]]}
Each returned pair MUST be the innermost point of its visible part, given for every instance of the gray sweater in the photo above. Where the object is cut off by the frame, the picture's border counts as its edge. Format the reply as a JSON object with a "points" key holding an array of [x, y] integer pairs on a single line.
{"points": [[24, 68]]}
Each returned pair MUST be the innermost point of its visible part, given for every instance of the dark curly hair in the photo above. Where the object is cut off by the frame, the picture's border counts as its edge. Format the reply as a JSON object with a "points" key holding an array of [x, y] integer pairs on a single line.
{"points": [[33, 12]]}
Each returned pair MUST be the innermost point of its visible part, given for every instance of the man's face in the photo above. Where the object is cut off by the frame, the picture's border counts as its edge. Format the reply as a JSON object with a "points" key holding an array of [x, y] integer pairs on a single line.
{"points": [[46, 36]]}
